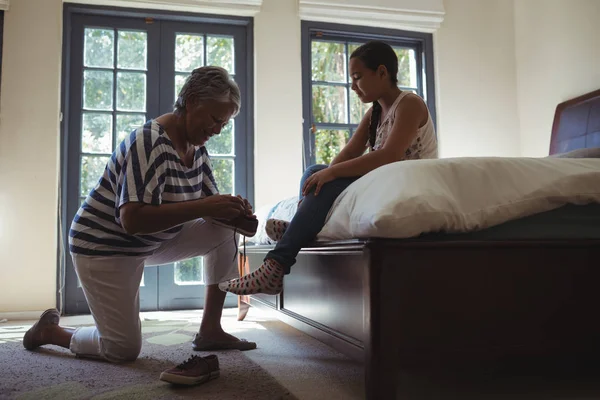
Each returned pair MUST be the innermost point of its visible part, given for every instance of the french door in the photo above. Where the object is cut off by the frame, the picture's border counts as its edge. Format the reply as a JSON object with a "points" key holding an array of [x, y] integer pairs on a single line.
{"points": [[121, 72]]}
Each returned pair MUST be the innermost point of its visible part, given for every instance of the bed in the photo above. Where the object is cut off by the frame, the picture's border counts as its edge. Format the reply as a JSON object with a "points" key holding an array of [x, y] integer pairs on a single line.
{"points": [[526, 286]]}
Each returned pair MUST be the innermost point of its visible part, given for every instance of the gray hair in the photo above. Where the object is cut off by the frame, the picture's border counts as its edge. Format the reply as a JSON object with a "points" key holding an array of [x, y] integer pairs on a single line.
{"points": [[209, 83]]}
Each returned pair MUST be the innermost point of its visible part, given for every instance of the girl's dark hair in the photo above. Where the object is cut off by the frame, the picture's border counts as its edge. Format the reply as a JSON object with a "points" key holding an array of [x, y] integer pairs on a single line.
{"points": [[373, 54]]}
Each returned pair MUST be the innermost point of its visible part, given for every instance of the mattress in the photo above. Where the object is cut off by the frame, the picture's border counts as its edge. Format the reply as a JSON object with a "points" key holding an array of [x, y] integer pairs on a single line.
{"points": [[479, 197], [412, 198], [567, 222]]}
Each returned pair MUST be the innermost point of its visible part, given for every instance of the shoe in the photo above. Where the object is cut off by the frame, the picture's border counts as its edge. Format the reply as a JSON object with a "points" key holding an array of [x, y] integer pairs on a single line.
{"points": [[48, 317], [275, 228], [247, 225], [194, 371]]}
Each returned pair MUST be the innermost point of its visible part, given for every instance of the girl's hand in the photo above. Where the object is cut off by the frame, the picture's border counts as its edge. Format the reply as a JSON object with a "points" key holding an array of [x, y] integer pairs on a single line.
{"points": [[318, 179]]}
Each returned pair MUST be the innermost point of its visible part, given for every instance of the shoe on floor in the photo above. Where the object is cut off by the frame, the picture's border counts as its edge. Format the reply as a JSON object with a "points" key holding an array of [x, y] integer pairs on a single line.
{"points": [[247, 225], [194, 371], [48, 317], [275, 228]]}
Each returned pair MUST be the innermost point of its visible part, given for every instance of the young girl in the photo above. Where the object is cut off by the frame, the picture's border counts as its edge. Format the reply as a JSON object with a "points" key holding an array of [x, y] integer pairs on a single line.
{"points": [[397, 127]]}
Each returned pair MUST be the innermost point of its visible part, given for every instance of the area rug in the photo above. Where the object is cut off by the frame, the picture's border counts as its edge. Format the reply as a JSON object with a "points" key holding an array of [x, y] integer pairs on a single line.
{"points": [[55, 373]]}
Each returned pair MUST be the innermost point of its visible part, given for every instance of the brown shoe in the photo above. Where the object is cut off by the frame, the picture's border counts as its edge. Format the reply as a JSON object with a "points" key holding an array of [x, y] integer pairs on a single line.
{"points": [[194, 371], [247, 225], [49, 317]]}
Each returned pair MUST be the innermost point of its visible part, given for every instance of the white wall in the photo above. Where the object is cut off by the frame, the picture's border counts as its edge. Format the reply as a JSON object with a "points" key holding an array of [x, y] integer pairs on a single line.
{"points": [[29, 141], [476, 79], [476, 75], [278, 105], [558, 58]]}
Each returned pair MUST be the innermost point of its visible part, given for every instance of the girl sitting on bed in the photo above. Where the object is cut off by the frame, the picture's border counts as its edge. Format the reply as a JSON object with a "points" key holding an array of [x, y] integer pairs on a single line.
{"points": [[397, 127]]}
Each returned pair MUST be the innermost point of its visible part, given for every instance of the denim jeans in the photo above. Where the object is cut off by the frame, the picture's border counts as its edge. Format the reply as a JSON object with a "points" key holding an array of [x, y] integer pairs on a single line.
{"points": [[309, 218]]}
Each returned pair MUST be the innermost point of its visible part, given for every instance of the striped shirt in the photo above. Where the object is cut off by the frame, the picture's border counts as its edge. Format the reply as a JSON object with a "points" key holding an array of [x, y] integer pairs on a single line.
{"points": [[144, 168]]}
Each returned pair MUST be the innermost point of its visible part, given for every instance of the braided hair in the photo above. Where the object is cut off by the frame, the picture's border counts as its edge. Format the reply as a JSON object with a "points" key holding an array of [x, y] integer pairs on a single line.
{"points": [[373, 54]]}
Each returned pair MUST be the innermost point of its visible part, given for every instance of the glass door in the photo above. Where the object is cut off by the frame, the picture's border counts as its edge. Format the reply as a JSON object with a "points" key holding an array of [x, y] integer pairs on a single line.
{"points": [[185, 47], [121, 72]]}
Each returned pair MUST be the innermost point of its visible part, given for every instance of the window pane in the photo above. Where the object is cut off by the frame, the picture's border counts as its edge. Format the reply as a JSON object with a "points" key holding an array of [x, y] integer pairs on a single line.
{"points": [[223, 172], [131, 91], [329, 104], [96, 133], [97, 90], [179, 81], [328, 61], [92, 169], [219, 52], [98, 48], [329, 143], [357, 108], [133, 50], [407, 67], [351, 48], [189, 272], [126, 123], [222, 143], [189, 52]]}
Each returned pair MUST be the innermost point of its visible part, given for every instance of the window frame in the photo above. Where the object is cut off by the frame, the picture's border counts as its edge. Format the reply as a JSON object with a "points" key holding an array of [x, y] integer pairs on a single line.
{"points": [[324, 31]]}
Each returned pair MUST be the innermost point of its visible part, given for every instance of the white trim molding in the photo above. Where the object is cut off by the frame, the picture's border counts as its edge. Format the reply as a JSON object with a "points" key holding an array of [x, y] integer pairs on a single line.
{"points": [[240, 8], [4, 4], [397, 16], [19, 316]]}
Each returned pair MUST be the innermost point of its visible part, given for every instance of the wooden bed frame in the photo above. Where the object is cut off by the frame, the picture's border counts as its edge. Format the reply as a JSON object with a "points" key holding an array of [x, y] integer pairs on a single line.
{"points": [[398, 303]]}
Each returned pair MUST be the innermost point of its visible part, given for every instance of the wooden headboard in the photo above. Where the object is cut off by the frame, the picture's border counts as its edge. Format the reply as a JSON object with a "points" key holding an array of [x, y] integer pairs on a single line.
{"points": [[576, 124]]}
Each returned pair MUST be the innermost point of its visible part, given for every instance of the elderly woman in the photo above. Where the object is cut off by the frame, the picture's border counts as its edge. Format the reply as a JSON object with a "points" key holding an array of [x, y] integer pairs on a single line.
{"points": [[154, 205]]}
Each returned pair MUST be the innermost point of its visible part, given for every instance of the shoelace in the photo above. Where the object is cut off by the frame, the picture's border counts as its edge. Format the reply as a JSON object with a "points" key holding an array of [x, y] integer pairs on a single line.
{"points": [[236, 245], [191, 362]]}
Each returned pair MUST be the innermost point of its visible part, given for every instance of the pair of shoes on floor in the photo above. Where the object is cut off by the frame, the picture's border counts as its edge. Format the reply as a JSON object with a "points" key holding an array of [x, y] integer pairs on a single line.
{"points": [[194, 371], [247, 225], [275, 228]]}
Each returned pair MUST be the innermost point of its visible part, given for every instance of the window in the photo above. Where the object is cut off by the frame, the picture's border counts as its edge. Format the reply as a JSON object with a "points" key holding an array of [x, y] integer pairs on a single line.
{"points": [[331, 110], [121, 71]]}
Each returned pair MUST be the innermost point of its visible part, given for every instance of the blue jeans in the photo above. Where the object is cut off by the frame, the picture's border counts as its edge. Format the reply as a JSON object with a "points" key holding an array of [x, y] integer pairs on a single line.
{"points": [[309, 218]]}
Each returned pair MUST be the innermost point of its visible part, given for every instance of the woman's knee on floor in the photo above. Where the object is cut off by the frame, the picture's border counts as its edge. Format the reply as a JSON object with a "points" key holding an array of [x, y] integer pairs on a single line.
{"points": [[122, 350]]}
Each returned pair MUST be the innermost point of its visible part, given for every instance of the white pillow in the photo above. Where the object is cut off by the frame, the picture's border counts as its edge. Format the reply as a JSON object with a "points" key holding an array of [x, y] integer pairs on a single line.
{"points": [[409, 198]]}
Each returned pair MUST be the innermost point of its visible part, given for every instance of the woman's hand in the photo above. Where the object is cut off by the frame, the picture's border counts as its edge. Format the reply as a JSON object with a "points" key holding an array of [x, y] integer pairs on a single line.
{"points": [[224, 206], [318, 179], [247, 205]]}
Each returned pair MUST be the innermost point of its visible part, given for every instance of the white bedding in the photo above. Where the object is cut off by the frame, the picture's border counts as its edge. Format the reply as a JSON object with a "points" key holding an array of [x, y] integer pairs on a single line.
{"points": [[408, 198]]}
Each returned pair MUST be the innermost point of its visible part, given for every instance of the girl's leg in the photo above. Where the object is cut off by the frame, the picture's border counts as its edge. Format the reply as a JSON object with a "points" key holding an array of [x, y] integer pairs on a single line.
{"points": [[304, 227], [275, 228], [309, 171]]}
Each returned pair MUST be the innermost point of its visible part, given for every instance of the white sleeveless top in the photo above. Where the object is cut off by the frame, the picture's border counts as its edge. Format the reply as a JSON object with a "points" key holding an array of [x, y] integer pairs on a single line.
{"points": [[425, 143]]}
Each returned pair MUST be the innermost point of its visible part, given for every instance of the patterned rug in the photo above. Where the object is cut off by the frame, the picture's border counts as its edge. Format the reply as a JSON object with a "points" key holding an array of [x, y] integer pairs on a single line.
{"points": [[55, 373]]}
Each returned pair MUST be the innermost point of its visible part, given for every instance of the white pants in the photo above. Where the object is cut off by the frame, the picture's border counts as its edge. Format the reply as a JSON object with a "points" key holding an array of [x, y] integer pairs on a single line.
{"points": [[111, 287]]}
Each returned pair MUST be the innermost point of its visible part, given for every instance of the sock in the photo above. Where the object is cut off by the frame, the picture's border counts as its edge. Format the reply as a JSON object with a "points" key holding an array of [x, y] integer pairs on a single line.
{"points": [[276, 228], [267, 279]]}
